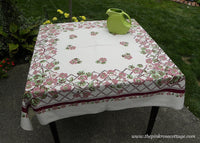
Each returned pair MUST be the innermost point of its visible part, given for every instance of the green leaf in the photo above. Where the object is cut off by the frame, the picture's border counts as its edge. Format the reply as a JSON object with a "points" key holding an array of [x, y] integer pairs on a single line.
{"points": [[13, 48], [15, 36], [33, 26], [43, 61], [56, 62], [34, 39], [35, 101], [28, 47], [2, 32], [24, 31], [13, 28], [33, 32], [56, 68]]}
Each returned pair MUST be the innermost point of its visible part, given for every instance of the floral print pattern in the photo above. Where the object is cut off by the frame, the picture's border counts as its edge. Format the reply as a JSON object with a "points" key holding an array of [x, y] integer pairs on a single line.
{"points": [[72, 36], [101, 61], [124, 43], [45, 83], [70, 47], [127, 56], [75, 61], [94, 33]]}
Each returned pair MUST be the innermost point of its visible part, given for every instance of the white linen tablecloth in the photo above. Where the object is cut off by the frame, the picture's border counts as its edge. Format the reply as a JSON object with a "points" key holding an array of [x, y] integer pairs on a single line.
{"points": [[81, 68]]}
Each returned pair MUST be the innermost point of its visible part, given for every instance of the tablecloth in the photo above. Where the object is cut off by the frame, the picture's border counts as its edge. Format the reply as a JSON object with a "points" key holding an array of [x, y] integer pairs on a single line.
{"points": [[80, 68]]}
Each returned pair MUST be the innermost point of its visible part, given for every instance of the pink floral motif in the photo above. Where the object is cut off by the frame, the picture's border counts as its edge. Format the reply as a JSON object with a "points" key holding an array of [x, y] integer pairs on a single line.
{"points": [[50, 48], [111, 72], [36, 65], [162, 57], [120, 91], [148, 51], [124, 43], [149, 78], [53, 52], [83, 77], [138, 81], [70, 29], [39, 92], [47, 57], [101, 61], [50, 66], [122, 75], [94, 77], [70, 47], [50, 81], [107, 83], [75, 61], [51, 40], [169, 63], [76, 95], [29, 84], [115, 81], [86, 94], [173, 71], [41, 53], [97, 84], [103, 75], [63, 75], [49, 45], [158, 66], [72, 36], [44, 36], [127, 56], [66, 87], [35, 72], [137, 70], [166, 79], [94, 33], [149, 61]]}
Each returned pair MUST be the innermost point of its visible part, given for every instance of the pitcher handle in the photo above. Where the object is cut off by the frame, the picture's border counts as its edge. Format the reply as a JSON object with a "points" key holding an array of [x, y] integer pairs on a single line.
{"points": [[127, 16]]}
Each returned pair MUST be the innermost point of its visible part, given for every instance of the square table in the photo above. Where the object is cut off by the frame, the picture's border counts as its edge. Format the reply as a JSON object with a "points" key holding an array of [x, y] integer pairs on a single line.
{"points": [[80, 68]]}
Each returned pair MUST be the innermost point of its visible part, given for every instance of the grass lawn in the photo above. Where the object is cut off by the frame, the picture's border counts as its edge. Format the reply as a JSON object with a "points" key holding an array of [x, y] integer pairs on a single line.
{"points": [[175, 27]]}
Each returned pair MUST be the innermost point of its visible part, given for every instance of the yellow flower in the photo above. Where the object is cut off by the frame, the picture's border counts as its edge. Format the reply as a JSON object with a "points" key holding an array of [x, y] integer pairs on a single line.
{"points": [[47, 22], [82, 21], [74, 18], [59, 11], [66, 15], [83, 17], [54, 18]]}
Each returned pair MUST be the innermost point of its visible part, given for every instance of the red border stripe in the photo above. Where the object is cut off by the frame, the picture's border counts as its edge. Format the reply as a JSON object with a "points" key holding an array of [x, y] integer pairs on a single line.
{"points": [[89, 100]]}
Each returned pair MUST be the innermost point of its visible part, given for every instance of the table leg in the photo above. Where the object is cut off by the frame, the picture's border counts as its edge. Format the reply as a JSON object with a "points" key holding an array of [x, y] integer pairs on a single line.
{"points": [[54, 132], [154, 112]]}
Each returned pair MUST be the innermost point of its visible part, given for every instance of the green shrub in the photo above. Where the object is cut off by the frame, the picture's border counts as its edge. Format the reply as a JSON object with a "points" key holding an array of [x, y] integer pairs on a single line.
{"points": [[8, 14], [17, 33], [20, 41]]}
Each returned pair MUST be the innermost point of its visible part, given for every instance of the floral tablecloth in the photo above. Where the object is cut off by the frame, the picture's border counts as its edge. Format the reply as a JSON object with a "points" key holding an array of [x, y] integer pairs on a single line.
{"points": [[80, 68]]}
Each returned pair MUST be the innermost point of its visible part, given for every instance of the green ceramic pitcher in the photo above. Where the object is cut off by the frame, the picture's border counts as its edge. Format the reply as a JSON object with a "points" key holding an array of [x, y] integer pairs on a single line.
{"points": [[117, 21]]}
